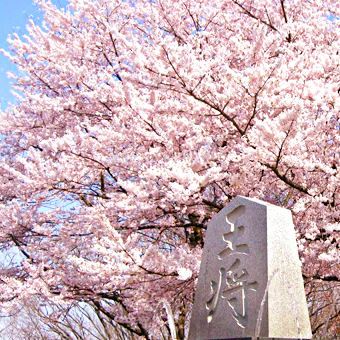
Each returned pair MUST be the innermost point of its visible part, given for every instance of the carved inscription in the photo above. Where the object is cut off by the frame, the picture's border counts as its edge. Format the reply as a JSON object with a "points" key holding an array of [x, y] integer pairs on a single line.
{"points": [[234, 282]]}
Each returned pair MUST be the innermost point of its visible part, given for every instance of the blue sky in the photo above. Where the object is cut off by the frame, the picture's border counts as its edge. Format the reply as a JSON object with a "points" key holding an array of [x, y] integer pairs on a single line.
{"points": [[14, 16]]}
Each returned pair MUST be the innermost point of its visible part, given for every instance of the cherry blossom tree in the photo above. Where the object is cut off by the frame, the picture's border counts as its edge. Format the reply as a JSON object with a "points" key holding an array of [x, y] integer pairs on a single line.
{"points": [[39, 320], [136, 121]]}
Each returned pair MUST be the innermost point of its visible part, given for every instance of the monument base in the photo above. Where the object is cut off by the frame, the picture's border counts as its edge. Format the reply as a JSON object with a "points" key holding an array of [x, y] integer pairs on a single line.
{"points": [[260, 338]]}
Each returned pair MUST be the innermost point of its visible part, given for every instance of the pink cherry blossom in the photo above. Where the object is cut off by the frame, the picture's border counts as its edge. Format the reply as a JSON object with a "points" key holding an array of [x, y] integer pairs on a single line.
{"points": [[137, 121]]}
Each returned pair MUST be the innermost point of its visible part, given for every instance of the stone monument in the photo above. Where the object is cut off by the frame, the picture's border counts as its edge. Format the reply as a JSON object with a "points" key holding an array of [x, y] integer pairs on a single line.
{"points": [[250, 284]]}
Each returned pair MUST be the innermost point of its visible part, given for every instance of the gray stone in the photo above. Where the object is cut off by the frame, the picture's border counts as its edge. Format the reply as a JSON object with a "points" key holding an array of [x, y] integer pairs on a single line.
{"points": [[250, 284], [261, 338]]}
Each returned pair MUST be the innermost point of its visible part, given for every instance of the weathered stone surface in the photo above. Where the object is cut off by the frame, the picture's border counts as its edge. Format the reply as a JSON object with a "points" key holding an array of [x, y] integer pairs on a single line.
{"points": [[257, 338], [250, 259]]}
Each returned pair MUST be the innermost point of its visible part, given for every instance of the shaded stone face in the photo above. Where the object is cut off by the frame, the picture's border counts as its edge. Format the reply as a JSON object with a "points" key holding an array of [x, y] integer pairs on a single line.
{"points": [[250, 282]]}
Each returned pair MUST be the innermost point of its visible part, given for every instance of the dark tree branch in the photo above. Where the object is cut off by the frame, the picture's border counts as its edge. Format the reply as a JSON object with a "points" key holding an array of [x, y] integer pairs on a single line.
{"points": [[246, 11]]}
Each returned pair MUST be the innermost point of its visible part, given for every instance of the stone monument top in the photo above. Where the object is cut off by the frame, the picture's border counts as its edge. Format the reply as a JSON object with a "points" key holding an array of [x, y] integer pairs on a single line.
{"points": [[250, 284]]}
